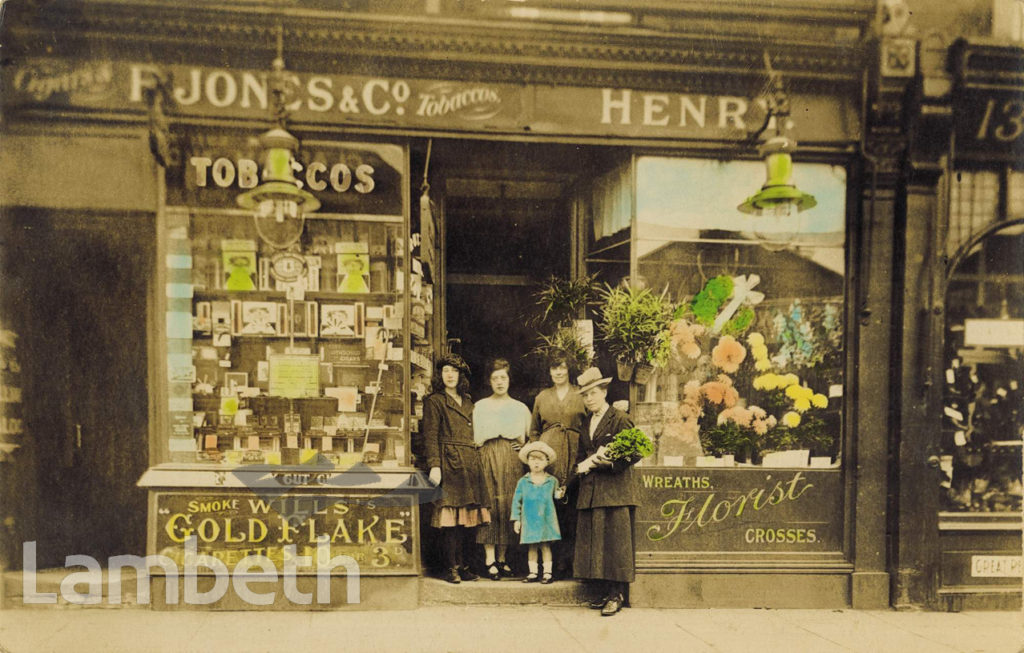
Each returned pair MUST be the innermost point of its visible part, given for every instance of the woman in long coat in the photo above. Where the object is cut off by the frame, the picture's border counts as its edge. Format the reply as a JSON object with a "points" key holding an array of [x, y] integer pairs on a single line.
{"points": [[606, 507], [557, 420], [454, 462]]}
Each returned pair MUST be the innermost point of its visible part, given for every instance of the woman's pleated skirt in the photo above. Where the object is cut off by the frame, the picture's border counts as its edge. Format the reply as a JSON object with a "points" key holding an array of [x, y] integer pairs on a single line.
{"points": [[501, 469]]}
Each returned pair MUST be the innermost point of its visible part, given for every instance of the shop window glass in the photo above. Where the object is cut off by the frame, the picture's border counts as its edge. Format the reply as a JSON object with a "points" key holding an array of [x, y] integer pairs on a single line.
{"points": [[974, 200], [751, 371], [298, 355], [1015, 195], [983, 410]]}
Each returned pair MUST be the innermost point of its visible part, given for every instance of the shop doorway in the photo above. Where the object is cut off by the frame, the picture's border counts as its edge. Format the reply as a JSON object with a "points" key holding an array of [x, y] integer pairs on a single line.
{"points": [[508, 225], [75, 293]]}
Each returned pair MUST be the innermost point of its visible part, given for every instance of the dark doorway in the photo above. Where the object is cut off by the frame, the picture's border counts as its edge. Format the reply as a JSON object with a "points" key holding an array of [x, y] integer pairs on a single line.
{"points": [[75, 290], [508, 225]]}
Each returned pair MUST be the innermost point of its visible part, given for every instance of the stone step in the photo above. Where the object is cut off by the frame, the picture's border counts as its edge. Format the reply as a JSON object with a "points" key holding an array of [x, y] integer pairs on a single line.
{"points": [[507, 591]]}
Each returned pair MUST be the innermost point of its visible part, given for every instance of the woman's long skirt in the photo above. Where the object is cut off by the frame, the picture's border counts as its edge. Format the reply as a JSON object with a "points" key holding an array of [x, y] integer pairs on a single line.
{"points": [[605, 544], [501, 469]]}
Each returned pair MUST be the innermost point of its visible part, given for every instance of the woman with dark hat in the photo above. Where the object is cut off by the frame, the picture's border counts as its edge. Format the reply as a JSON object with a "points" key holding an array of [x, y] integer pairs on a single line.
{"points": [[557, 420], [607, 500], [454, 462]]}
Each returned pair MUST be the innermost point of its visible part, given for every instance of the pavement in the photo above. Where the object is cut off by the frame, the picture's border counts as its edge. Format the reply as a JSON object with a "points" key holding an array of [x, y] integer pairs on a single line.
{"points": [[444, 628]]}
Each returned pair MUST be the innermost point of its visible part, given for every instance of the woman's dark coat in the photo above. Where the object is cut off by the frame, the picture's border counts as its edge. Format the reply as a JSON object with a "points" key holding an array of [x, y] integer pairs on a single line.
{"points": [[605, 487], [448, 444]]}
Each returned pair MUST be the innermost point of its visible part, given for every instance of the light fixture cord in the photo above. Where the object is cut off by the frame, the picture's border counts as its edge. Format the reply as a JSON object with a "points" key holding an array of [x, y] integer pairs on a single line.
{"points": [[425, 186], [279, 83]]}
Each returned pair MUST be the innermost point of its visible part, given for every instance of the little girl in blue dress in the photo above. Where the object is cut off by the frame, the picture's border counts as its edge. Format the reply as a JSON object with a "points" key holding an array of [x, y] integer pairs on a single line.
{"points": [[533, 508]]}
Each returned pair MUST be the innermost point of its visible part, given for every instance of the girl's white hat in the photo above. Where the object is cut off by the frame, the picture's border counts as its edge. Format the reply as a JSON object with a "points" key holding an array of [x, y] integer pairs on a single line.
{"points": [[542, 447]]}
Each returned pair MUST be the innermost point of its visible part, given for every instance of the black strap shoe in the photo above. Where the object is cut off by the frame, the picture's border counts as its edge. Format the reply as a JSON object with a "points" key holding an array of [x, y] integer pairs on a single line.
{"points": [[598, 604], [613, 605]]}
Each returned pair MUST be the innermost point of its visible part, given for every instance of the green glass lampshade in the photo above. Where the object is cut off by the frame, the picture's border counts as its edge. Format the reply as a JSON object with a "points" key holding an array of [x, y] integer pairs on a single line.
{"points": [[281, 193], [778, 195]]}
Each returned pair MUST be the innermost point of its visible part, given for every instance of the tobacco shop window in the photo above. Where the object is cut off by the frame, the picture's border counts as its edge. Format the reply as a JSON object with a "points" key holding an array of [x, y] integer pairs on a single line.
{"points": [[750, 371], [293, 354], [983, 420]]}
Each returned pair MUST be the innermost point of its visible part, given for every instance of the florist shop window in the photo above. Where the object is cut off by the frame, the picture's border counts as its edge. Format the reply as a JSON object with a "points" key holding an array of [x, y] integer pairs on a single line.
{"points": [[749, 370]]}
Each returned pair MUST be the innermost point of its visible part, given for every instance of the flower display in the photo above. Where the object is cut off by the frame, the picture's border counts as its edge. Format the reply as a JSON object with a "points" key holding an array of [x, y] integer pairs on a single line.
{"points": [[728, 354], [684, 336], [747, 389]]}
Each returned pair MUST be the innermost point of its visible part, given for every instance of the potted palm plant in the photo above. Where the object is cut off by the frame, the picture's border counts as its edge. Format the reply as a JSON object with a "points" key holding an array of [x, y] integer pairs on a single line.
{"points": [[634, 328], [562, 302]]}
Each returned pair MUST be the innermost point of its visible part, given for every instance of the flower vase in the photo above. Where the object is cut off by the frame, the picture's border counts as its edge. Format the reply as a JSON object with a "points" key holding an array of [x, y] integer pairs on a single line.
{"points": [[625, 370]]}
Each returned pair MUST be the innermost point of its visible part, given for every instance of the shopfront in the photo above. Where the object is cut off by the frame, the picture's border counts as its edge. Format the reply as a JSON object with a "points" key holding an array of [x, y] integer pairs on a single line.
{"points": [[286, 370], [969, 446]]}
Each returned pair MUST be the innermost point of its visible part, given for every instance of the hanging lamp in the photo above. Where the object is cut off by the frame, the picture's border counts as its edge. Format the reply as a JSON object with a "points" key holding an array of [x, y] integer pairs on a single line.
{"points": [[779, 202], [279, 203]]}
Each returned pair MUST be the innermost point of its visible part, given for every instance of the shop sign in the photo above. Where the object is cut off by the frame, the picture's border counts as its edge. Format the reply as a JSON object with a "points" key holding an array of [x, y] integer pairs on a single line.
{"points": [[377, 532], [347, 177], [989, 124], [989, 566], [200, 91], [739, 510]]}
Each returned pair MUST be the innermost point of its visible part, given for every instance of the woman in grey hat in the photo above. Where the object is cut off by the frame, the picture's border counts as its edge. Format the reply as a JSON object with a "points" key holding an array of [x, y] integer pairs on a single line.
{"points": [[607, 500]]}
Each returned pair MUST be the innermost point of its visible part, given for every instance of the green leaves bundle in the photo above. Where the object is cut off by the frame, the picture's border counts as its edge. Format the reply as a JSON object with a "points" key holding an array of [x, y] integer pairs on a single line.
{"points": [[629, 443]]}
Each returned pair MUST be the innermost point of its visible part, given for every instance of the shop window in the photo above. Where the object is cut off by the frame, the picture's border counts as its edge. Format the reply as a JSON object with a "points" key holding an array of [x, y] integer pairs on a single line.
{"points": [[983, 410], [974, 201], [751, 372], [298, 355]]}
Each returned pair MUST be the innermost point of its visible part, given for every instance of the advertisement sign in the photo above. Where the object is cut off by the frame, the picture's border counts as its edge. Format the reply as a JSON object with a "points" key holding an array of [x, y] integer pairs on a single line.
{"points": [[739, 510], [379, 533], [408, 103], [210, 170]]}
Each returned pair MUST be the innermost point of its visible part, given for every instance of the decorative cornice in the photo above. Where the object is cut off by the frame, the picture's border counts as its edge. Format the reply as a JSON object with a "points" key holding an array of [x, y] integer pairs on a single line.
{"points": [[511, 52]]}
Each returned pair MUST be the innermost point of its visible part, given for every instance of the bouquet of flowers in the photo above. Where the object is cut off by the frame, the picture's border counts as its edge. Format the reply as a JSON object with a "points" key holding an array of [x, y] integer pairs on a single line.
{"points": [[631, 443]]}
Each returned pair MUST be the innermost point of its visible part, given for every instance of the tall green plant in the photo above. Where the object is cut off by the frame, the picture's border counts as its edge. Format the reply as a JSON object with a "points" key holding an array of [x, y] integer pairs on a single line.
{"points": [[563, 300], [633, 323]]}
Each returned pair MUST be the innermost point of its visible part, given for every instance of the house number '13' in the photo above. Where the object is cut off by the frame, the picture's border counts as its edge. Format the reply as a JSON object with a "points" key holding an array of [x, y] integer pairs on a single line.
{"points": [[1007, 126]]}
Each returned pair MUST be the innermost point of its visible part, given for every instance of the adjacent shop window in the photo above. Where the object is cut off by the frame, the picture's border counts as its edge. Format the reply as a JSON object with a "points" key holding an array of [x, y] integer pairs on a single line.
{"points": [[983, 421], [294, 355]]}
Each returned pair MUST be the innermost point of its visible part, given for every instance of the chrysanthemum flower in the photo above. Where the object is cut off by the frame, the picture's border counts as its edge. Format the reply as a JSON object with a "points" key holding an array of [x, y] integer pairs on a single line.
{"points": [[728, 354], [819, 400], [791, 419]]}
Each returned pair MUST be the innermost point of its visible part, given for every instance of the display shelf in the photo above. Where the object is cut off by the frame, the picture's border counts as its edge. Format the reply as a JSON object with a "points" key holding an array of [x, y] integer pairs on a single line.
{"points": [[281, 296]]}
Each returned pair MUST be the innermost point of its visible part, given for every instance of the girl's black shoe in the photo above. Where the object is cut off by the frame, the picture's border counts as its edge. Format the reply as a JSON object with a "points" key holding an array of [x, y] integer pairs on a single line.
{"points": [[546, 579], [505, 570], [493, 573], [531, 578]]}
